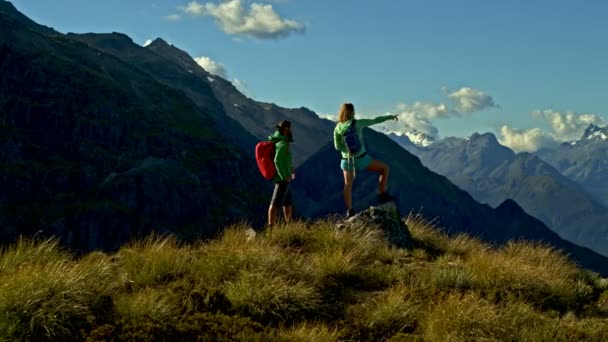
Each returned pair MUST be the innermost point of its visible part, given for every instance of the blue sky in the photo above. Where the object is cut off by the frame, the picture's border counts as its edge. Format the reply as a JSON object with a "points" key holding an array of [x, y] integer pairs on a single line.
{"points": [[533, 72]]}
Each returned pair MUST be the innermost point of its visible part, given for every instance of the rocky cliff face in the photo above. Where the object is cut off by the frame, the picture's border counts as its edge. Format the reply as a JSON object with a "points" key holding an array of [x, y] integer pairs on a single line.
{"points": [[96, 150]]}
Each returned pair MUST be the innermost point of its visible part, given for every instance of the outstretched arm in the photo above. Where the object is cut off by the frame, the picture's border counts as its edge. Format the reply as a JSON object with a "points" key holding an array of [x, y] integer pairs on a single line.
{"points": [[368, 122]]}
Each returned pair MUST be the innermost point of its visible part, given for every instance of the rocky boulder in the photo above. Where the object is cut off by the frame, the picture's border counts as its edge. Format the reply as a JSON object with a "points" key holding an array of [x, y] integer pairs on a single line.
{"points": [[386, 217]]}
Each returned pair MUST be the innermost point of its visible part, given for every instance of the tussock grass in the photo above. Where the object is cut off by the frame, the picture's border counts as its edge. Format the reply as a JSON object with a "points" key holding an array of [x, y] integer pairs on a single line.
{"points": [[301, 282], [429, 238], [147, 304], [28, 252], [44, 293], [536, 274], [154, 260], [271, 297], [310, 332], [471, 318], [236, 250], [426, 235], [384, 314]]}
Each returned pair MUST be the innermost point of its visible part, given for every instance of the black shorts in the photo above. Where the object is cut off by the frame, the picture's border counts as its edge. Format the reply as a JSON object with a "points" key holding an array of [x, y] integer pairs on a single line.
{"points": [[281, 195]]}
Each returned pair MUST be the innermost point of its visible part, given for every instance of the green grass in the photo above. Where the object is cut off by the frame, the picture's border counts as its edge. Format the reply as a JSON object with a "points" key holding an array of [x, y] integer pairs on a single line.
{"points": [[301, 282]]}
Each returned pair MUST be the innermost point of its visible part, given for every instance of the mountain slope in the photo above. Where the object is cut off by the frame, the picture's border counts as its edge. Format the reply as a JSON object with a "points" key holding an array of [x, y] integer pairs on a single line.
{"points": [[95, 150], [259, 118], [419, 189], [191, 80], [492, 173]]}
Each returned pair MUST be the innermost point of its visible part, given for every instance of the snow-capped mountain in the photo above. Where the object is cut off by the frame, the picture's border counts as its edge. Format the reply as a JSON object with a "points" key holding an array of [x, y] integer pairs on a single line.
{"points": [[412, 138], [584, 161], [493, 173], [594, 132], [420, 139]]}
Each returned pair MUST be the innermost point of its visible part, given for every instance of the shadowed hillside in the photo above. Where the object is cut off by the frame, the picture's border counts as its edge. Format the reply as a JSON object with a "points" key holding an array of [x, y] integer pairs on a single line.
{"points": [[95, 150]]}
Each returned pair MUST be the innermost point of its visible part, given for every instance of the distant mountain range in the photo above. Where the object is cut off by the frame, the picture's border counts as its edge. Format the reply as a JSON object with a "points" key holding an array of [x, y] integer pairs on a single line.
{"points": [[102, 139], [493, 173], [412, 139], [418, 189], [584, 161]]}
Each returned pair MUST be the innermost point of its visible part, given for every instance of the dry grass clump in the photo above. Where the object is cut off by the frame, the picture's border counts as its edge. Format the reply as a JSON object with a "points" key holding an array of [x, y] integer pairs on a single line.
{"points": [[301, 282]]}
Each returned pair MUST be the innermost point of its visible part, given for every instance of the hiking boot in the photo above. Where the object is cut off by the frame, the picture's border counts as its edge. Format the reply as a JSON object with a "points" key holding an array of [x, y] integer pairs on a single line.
{"points": [[385, 198], [350, 213]]}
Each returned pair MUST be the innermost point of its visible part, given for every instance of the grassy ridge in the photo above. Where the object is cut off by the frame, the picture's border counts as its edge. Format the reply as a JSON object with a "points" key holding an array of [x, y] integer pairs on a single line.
{"points": [[301, 282]]}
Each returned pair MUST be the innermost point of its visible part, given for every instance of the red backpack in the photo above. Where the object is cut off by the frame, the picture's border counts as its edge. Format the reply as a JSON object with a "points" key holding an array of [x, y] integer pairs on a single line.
{"points": [[264, 156]]}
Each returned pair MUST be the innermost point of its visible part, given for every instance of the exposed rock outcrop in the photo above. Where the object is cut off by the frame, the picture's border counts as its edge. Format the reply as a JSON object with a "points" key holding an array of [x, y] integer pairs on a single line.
{"points": [[387, 218]]}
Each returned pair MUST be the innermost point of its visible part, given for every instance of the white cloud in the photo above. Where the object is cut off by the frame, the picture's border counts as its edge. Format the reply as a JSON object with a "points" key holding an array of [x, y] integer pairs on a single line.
{"points": [[426, 110], [242, 87], [172, 17], [219, 69], [522, 140], [261, 21], [419, 115], [415, 117], [468, 100], [148, 42], [568, 126], [193, 8], [409, 122], [212, 66], [331, 117]]}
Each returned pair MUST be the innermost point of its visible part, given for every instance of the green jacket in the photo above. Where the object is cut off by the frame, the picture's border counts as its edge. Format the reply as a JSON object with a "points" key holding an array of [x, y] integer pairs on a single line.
{"points": [[341, 127], [282, 157]]}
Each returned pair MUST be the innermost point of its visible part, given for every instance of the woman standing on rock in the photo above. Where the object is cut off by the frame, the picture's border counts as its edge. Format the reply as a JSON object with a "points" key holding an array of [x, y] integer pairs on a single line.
{"points": [[348, 139]]}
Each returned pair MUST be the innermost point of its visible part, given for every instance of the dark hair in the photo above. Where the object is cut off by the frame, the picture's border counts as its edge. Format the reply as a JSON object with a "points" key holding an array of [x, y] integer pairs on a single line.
{"points": [[283, 124]]}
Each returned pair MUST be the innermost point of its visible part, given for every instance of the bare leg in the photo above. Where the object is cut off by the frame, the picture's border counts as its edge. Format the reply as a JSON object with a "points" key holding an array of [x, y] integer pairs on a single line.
{"points": [[383, 169], [348, 189], [272, 215], [287, 212]]}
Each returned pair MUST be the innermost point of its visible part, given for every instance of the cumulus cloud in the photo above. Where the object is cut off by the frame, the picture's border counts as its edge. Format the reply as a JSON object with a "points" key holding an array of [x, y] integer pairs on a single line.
{"points": [[332, 117], [193, 8], [417, 117], [242, 87], [259, 21], [468, 100], [148, 42], [525, 140], [568, 126], [212, 66], [409, 122], [219, 69], [426, 110]]}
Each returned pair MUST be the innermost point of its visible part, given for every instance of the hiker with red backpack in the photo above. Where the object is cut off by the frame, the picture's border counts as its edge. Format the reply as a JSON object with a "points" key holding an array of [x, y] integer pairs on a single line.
{"points": [[348, 139], [274, 161]]}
